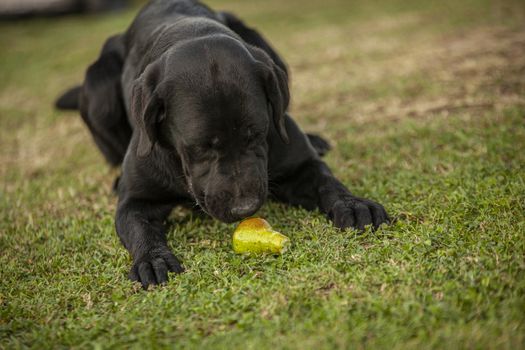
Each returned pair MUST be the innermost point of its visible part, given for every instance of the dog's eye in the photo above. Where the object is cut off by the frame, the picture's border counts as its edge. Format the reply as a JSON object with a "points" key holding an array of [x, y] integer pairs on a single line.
{"points": [[214, 142], [254, 135]]}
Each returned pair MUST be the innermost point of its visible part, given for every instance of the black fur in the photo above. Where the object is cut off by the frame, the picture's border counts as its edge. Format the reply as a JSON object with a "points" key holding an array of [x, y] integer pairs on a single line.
{"points": [[193, 103]]}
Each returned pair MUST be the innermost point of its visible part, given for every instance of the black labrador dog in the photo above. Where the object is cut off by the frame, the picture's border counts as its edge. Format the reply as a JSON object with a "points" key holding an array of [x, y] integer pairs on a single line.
{"points": [[193, 104]]}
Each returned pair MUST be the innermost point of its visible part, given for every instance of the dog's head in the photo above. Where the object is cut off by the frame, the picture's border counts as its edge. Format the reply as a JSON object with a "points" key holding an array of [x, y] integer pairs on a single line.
{"points": [[214, 101]]}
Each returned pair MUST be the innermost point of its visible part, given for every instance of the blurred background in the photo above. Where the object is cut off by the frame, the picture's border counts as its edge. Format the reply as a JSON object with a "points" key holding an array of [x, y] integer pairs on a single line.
{"points": [[364, 61], [351, 61], [18, 9]]}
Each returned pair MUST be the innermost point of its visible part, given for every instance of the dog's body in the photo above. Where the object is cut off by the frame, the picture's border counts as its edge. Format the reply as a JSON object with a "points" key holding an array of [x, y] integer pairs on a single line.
{"points": [[193, 104]]}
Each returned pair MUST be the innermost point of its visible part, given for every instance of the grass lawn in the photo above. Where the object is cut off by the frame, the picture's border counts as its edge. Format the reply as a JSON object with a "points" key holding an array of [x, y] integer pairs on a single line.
{"points": [[424, 103]]}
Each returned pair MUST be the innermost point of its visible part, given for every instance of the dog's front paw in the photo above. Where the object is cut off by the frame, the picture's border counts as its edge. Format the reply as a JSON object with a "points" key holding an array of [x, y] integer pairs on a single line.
{"points": [[357, 213], [152, 266]]}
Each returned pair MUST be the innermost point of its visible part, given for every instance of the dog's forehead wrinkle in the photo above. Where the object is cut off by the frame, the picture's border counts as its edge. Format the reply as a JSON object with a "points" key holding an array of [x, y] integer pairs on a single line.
{"points": [[214, 69]]}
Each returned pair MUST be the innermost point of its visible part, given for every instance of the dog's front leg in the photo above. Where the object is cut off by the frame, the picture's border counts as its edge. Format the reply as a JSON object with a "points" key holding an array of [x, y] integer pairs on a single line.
{"points": [[301, 178], [140, 226], [312, 185]]}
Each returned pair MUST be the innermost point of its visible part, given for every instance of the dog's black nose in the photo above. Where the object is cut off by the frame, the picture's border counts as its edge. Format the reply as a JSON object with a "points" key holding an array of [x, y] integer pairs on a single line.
{"points": [[245, 208]]}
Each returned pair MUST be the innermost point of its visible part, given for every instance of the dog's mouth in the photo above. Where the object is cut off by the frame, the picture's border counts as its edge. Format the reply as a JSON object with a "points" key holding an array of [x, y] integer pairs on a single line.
{"points": [[228, 204]]}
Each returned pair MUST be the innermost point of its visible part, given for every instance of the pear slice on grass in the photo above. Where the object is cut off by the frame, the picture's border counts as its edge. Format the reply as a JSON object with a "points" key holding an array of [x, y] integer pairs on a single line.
{"points": [[255, 236]]}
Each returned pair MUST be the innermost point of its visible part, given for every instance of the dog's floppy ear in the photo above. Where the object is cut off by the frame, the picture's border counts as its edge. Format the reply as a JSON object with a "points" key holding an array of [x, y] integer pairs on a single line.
{"points": [[275, 82], [147, 109]]}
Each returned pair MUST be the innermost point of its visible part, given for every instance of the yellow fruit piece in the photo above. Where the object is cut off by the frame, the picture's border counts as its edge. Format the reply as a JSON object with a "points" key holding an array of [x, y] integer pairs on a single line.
{"points": [[255, 236]]}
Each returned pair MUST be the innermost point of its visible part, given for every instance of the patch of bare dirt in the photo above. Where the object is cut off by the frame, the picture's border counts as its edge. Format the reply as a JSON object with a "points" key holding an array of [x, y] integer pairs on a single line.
{"points": [[484, 69], [481, 69]]}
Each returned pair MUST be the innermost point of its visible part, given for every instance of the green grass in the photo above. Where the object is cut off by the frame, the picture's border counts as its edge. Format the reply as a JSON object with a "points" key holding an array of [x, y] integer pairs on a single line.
{"points": [[424, 102]]}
